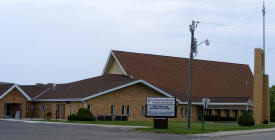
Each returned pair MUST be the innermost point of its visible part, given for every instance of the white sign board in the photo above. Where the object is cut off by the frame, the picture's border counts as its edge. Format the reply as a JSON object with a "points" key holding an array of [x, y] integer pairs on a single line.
{"points": [[161, 107], [205, 102]]}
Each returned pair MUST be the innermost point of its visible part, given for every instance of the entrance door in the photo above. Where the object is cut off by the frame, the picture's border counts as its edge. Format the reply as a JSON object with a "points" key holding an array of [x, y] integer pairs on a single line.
{"points": [[8, 110]]}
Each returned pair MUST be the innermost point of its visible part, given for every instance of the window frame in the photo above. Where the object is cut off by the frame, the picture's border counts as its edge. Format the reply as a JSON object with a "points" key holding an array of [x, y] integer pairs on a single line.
{"points": [[128, 110]]}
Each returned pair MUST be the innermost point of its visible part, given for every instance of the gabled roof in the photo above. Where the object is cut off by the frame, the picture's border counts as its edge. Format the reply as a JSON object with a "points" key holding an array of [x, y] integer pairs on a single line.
{"points": [[7, 91], [91, 88], [210, 78], [4, 88], [85, 88]]}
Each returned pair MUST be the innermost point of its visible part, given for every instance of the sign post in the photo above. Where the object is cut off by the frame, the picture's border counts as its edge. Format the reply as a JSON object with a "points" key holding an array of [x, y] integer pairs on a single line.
{"points": [[205, 102], [44, 108], [56, 108], [70, 109], [161, 109]]}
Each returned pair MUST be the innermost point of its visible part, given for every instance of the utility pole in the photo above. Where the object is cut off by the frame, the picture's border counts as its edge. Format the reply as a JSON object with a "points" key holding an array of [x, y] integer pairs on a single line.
{"points": [[263, 10], [193, 50], [193, 47]]}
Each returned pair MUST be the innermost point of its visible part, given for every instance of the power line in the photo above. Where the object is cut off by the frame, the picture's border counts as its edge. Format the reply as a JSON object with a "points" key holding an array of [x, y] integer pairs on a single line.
{"points": [[238, 26], [238, 45]]}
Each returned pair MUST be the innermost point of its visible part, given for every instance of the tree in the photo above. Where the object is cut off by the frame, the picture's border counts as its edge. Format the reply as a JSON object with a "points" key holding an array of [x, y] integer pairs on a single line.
{"points": [[272, 102]]}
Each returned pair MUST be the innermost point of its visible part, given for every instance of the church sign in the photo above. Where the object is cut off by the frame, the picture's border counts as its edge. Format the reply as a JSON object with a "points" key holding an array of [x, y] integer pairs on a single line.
{"points": [[161, 107]]}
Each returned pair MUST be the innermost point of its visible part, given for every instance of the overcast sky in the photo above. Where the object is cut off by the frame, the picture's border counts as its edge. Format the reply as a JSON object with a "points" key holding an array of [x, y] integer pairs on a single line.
{"points": [[67, 40]]}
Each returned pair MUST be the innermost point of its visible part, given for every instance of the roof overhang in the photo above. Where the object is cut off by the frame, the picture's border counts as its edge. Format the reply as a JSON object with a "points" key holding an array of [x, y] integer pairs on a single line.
{"points": [[220, 104], [60, 100]]}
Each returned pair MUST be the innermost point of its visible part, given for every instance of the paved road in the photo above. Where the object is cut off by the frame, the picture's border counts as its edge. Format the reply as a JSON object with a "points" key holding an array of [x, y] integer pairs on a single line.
{"points": [[10, 130], [14, 130]]}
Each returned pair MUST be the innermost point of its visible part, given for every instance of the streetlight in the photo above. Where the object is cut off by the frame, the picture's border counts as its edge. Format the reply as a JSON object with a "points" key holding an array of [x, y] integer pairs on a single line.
{"points": [[193, 50]]}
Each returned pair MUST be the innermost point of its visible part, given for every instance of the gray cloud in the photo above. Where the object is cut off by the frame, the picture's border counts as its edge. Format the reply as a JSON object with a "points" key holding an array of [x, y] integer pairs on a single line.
{"points": [[67, 40]]}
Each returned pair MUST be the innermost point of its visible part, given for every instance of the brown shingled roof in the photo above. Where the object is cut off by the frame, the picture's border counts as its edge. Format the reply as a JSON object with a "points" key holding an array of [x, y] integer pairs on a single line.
{"points": [[210, 78], [34, 90], [87, 87], [4, 88]]}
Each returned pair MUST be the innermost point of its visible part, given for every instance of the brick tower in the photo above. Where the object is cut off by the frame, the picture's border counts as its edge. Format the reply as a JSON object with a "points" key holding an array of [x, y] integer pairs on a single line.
{"points": [[260, 90]]}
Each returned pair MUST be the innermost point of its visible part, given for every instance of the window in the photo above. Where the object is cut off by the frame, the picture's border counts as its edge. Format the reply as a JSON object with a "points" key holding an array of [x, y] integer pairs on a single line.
{"points": [[89, 107], [128, 110], [142, 111], [27, 107], [226, 112], [236, 113], [218, 113], [123, 110], [112, 109], [182, 111], [209, 112]]}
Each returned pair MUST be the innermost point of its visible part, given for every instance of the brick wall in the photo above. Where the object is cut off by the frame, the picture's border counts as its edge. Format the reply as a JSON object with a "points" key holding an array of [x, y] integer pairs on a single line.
{"points": [[13, 96]]}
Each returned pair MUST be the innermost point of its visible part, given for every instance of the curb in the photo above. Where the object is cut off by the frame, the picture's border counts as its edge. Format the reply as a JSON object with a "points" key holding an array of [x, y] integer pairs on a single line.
{"points": [[233, 133], [80, 124]]}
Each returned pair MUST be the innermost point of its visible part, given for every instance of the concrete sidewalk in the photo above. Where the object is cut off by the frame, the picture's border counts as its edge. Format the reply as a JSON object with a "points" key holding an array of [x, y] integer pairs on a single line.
{"points": [[80, 124], [237, 132]]}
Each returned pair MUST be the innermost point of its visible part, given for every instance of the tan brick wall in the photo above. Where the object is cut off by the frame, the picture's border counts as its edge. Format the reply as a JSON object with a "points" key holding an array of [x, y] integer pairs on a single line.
{"points": [[13, 96], [266, 112], [258, 87], [134, 96], [51, 107]]}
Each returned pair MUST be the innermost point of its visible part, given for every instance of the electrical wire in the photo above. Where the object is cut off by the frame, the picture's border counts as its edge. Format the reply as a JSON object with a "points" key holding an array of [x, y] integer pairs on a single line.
{"points": [[239, 26], [238, 45]]}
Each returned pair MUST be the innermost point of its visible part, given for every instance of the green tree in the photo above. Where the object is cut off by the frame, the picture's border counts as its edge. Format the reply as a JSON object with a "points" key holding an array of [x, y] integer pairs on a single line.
{"points": [[272, 102]]}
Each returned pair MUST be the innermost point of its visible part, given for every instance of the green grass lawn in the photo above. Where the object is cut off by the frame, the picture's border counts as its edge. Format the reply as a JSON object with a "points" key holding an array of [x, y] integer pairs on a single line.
{"points": [[176, 127], [180, 128]]}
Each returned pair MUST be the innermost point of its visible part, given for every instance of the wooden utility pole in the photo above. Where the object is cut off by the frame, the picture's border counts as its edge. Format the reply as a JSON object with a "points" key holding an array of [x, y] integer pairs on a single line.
{"points": [[193, 48]]}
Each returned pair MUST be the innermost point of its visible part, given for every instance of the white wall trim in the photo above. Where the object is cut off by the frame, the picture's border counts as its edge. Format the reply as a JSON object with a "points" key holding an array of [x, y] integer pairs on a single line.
{"points": [[116, 60], [19, 89]]}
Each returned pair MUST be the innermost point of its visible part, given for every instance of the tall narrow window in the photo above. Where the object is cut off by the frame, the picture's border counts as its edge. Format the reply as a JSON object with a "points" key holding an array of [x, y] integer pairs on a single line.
{"points": [[142, 111], [128, 110], [89, 107], [209, 112], [112, 109], [123, 110], [236, 113], [218, 113], [182, 111]]}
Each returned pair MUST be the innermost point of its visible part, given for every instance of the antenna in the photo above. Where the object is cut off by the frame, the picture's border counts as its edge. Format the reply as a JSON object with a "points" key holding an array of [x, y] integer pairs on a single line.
{"points": [[263, 10]]}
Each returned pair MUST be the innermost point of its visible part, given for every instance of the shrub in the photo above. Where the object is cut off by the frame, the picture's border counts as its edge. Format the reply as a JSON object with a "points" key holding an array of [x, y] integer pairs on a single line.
{"points": [[265, 121], [85, 114], [246, 119], [72, 117]]}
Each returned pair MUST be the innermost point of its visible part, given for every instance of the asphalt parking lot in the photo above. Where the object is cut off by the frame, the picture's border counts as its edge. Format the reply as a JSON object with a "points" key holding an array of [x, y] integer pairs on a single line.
{"points": [[16, 130]]}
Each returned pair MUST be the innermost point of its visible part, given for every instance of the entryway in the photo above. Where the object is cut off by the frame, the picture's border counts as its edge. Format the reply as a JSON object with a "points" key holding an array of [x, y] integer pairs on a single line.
{"points": [[13, 110]]}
